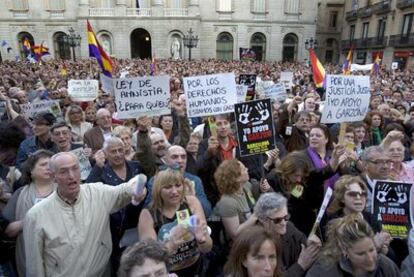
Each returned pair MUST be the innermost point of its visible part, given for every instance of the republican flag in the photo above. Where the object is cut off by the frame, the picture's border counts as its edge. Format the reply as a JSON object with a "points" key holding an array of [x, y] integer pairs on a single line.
{"points": [[376, 65], [26, 45], [96, 51], [317, 69], [40, 51], [346, 68]]}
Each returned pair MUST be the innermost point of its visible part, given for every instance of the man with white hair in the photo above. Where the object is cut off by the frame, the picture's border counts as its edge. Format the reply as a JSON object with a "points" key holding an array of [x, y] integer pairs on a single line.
{"points": [[96, 136], [68, 233]]}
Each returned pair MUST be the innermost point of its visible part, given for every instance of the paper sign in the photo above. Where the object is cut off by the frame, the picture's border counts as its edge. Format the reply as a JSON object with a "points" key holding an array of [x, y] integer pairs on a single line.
{"points": [[286, 78], [394, 65], [255, 130], [84, 163], [347, 98], [107, 84], [83, 90], [250, 81], [29, 110], [276, 91], [142, 96], [241, 93], [392, 206], [325, 203], [210, 94]]}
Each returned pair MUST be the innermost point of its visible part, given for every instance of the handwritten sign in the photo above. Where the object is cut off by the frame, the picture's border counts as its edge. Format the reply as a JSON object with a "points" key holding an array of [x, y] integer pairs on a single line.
{"points": [[255, 130], [107, 84], [250, 81], [210, 94], [29, 110], [286, 78], [276, 91], [83, 90], [145, 95], [84, 163], [392, 205], [347, 98], [241, 93]]}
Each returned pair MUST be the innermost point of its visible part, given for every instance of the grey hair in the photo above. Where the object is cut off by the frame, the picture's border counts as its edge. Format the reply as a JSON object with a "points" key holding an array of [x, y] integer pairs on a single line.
{"points": [[119, 130], [52, 161], [111, 141], [267, 202], [368, 152]]}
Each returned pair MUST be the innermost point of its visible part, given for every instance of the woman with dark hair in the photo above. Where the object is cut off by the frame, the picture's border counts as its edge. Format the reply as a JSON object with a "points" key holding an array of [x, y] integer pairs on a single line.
{"points": [[39, 185], [351, 251], [167, 125], [255, 253], [375, 122], [360, 133], [294, 127]]}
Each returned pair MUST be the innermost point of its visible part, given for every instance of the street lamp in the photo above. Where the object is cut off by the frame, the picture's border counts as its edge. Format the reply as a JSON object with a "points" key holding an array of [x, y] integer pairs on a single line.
{"points": [[73, 40], [190, 41], [311, 44]]}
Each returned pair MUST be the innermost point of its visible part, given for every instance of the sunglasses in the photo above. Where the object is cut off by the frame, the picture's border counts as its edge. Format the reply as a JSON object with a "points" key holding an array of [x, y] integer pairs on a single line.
{"points": [[356, 194], [277, 220]]}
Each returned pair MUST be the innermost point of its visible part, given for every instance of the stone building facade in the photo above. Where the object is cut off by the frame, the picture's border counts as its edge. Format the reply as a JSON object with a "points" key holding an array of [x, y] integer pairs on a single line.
{"points": [[275, 29]]}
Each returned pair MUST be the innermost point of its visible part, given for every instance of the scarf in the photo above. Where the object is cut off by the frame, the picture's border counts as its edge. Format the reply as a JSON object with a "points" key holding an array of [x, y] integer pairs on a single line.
{"points": [[376, 136], [319, 164]]}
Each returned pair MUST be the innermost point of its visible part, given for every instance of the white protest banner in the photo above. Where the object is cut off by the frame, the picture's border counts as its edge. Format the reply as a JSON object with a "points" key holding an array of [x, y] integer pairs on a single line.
{"points": [[30, 109], [142, 96], [83, 90], [241, 93], [286, 77], [325, 202], [107, 84], [276, 91], [210, 94], [84, 163], [361, 67], [347, 98]]}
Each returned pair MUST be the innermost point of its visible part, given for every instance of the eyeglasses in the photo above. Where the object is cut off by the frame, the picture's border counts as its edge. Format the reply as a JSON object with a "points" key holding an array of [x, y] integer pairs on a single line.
{"points": [[355, 194], [380, 162], [277, 220]]}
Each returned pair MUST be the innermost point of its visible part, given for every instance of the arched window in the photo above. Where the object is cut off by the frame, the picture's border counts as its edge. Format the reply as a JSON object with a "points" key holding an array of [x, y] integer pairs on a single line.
{"points": [[224, 50], [21, 37], [258, 45], [106, 42], [62, 50], [290, 47]]}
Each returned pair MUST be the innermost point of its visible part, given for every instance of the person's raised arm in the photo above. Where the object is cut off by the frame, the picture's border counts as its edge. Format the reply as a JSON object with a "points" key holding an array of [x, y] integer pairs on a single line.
{"points": [[144, 152]]}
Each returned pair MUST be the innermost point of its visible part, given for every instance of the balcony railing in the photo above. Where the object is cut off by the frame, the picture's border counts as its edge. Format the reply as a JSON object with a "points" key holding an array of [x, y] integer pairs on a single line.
{"points": [[101, 12], [139, 12], [175, 12], [382, 7], [402, 41], [56, 14], [351, 15], [403, 4], [347, 43], [365, 12]]}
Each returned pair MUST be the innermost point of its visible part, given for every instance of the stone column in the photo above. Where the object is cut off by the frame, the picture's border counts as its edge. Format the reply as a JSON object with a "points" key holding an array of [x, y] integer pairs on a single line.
{"points": [[157, 7]]}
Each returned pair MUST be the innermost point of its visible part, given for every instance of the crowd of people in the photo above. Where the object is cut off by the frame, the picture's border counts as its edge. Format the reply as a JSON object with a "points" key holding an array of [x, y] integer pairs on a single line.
{"points": [[85, 193]]}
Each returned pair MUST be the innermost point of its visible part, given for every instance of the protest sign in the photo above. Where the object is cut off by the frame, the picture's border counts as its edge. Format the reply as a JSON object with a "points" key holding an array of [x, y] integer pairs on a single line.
{"points": [[255, 130], [276, 92], [286, 78], [107, 84], [84, 163], [322, 210], [83, 90], [210, 94], [247, 54], [30, 109], [144, 95], [250, 81], [392, 206], [347, 98], [241, 93]]}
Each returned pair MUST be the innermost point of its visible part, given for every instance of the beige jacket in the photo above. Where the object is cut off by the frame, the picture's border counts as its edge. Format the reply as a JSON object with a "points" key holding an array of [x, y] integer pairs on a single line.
{"points": [[65, 240]]}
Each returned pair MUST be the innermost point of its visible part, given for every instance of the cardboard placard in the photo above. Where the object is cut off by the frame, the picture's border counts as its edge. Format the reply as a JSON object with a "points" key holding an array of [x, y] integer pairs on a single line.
{"points": [[250, 81], [241, 93], [392, 205], [210, 94], [84, 163], [142, 96], [286, 78], [255, 129], [30, 109], [83, 90], [276, 92], [347, 98], [107, 84]]}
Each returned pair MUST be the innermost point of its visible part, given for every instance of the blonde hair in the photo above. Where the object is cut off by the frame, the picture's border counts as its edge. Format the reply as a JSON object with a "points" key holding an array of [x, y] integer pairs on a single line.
{"points": [[162, 179], [227, 176], [69, 110], [118, 131]]}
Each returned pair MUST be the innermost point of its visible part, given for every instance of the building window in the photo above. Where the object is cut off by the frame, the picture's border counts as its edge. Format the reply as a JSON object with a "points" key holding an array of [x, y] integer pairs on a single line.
{"points": [[224, 47], [62, 49], [107, 4], [381, 29], [175, 4], [20, 5], [258, 6], [56, 5], [290, 47], [333, 16], [351, 32], [407, 25], [365, 27], [224, 5], [106, 43], [21, 37], [258, 45], [292, 6]]}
